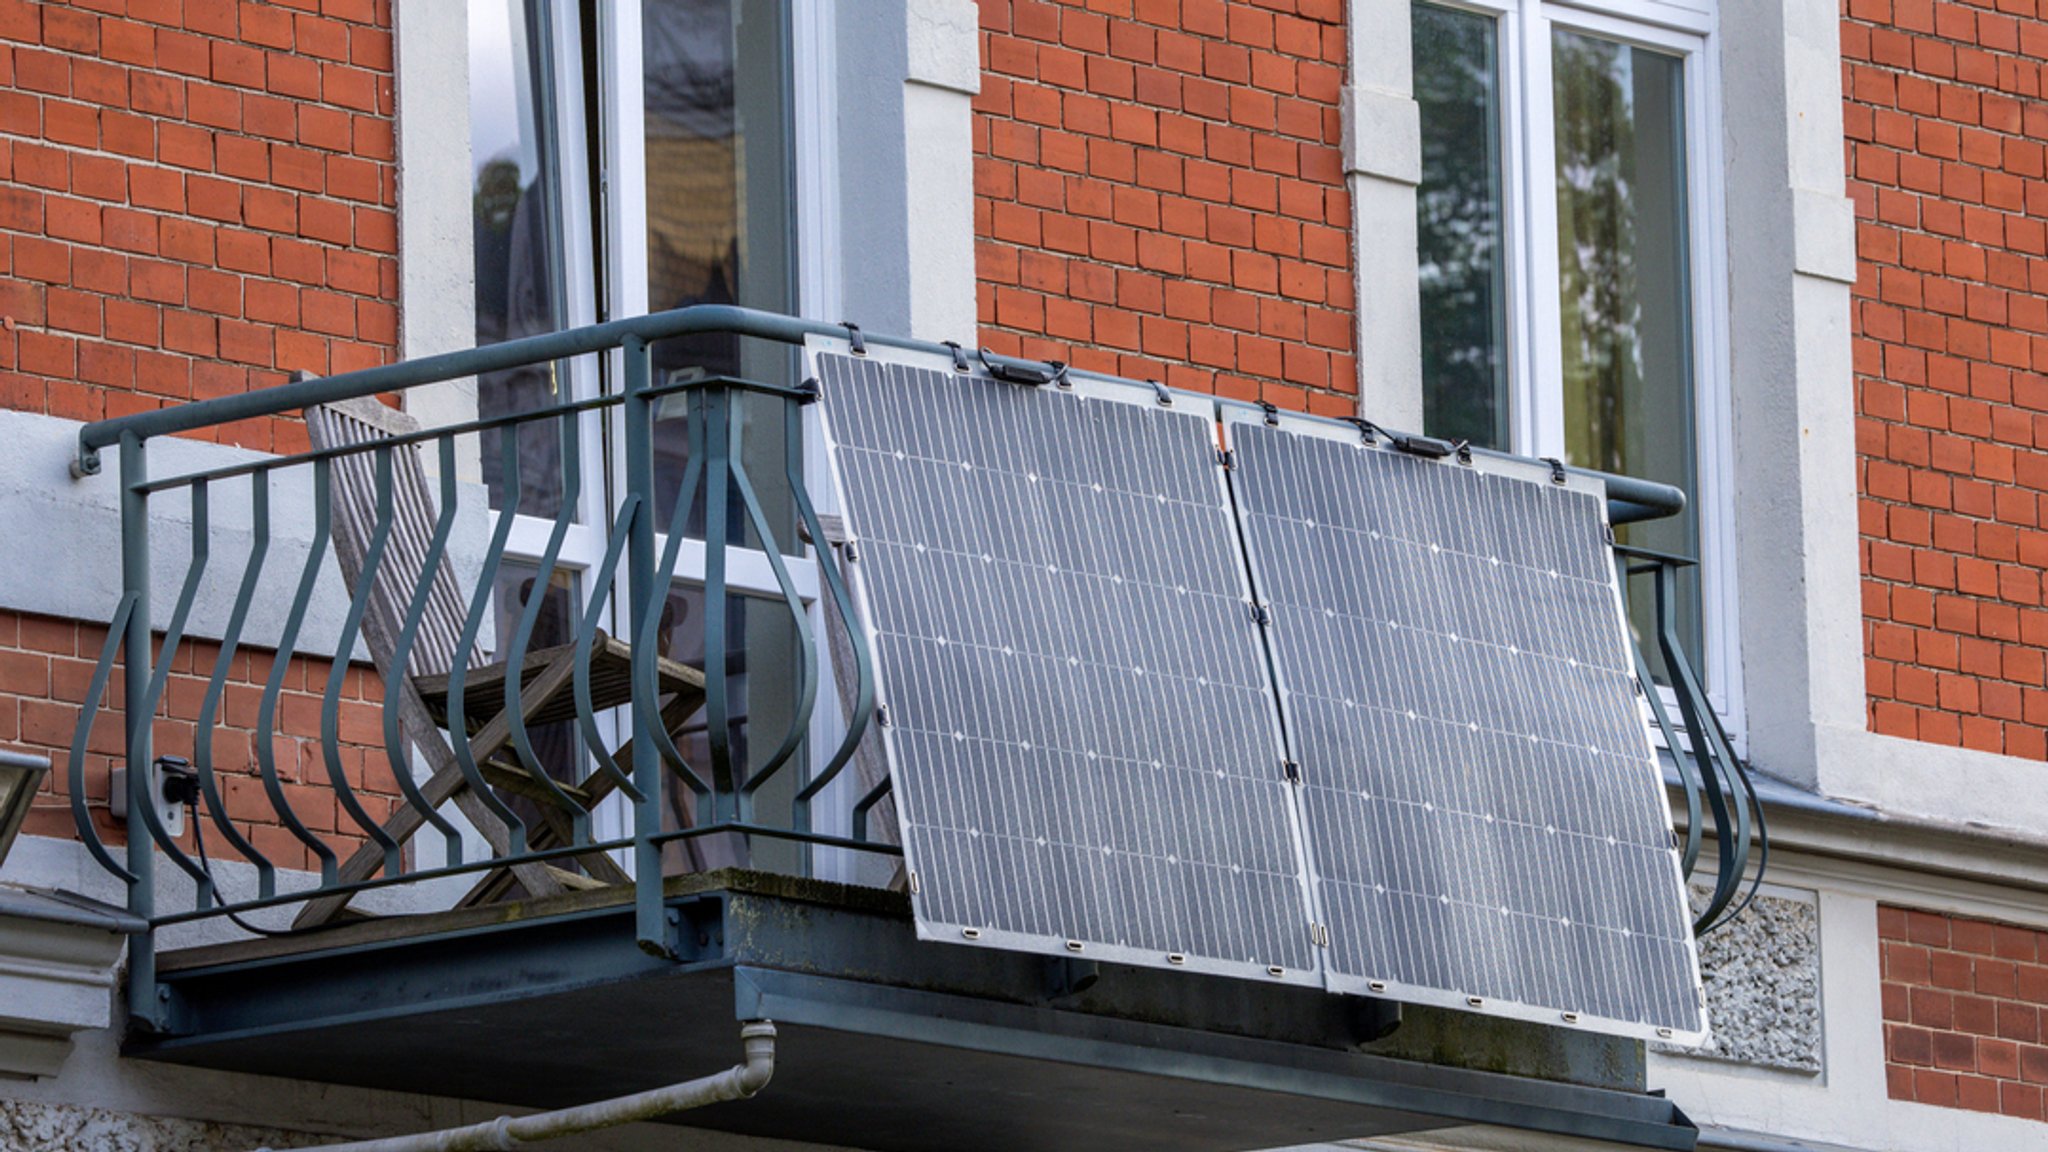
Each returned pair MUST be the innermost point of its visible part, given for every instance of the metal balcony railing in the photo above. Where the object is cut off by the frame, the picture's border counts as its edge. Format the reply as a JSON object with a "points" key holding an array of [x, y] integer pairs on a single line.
{"points": [[541, 824]]}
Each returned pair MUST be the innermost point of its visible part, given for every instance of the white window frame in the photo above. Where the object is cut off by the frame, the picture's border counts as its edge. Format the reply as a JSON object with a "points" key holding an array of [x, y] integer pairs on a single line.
{"points": [[620, 193], [1535, 419]]}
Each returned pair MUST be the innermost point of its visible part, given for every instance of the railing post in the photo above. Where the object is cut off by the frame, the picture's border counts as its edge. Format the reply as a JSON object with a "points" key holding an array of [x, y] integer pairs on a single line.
{"points": [[144, 1004], [642, 598]]}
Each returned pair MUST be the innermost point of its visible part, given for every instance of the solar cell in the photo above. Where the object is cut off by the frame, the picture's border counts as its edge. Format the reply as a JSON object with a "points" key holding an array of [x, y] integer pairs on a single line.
{"points": [[1081, 729], [1483, 811]]}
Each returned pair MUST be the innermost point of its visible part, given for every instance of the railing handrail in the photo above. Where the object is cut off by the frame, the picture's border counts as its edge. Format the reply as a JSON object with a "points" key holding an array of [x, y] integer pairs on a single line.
{"points": [[1630, 498]]}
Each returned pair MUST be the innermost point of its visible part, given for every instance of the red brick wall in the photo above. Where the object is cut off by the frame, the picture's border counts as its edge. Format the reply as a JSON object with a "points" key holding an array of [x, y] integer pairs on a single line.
{"points": [[45, 668], [196, 198], [1966, 1012], [1159, 193], [1945, 129]]}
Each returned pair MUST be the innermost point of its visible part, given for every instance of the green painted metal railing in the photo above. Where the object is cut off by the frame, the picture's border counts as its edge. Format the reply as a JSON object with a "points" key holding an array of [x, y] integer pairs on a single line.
{"points": [[638, 565]]}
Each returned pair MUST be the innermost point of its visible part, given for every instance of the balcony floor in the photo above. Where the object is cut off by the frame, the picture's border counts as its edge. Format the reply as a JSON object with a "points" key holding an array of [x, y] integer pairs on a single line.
{"points": [[885, 1042]]}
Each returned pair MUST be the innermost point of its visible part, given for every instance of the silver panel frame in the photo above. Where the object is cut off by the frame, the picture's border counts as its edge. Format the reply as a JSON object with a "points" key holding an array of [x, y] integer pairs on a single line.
{"points": [[1119, 391], [1231, 414]]}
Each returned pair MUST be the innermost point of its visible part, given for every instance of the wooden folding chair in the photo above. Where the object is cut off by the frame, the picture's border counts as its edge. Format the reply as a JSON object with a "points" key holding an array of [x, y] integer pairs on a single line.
{"points": [[546, 675]]}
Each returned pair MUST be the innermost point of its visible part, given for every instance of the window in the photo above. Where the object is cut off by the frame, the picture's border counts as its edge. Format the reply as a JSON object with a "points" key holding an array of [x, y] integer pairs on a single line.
{"points": [[629, 158], [1566, 227]]}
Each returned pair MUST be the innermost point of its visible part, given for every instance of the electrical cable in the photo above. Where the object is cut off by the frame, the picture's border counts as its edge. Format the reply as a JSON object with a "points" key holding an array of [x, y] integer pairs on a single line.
{"points": [[206, 866]]}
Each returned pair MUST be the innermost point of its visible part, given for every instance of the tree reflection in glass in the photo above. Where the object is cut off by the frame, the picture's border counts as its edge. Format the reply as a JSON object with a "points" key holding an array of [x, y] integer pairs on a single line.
{"points": [[1625, 306], [1458, 227]]}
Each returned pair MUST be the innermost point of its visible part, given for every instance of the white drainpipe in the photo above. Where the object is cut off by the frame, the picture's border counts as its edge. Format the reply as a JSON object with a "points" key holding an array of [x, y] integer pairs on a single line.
{"points": [[508, 1132]]}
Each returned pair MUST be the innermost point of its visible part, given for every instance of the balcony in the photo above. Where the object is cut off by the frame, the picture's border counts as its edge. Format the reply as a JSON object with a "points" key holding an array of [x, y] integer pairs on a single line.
{"points": [[424, 794]]}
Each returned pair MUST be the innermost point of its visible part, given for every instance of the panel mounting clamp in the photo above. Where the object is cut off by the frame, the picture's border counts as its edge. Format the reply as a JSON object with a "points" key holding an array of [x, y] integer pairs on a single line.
{"points": [[1271, 411], [1556, 469], [1159, 390], [1367, 430], [857, 343], [1292, 770], [810, 391], [959, 355]]}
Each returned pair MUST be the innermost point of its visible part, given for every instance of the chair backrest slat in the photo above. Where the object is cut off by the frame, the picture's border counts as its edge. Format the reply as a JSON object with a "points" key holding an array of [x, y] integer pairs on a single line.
{"points": [[353, 483]]}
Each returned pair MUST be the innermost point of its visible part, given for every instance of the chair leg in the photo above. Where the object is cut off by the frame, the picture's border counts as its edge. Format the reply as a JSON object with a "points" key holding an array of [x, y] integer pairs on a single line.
{"points": [[447, 783], [597, 785]]}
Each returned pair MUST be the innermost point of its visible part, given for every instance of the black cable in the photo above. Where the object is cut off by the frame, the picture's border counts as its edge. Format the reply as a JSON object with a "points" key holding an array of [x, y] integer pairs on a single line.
{"points": [[206, 866]]}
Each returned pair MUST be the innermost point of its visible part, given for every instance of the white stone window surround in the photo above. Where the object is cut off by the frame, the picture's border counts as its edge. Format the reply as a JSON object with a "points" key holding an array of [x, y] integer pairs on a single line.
{"points": [[1536, 415], [1789, 250]]}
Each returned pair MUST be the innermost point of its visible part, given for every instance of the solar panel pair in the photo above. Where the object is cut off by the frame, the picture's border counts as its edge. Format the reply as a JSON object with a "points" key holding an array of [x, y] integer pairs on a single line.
{"points": [[1333, 715]]}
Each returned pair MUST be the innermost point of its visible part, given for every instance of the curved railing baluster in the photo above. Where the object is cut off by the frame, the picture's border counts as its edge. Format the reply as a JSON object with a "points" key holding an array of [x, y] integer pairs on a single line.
{"points": [[647, 644], [515, 656], [174, 634], [344, 651], [807, 656], [1681, 754], [398, 676], [586, 637], [1706, 759], [1732, 841], [458, 672], [216, 686], [842, 602], [266, 712], [717, 705], [88, 711]]}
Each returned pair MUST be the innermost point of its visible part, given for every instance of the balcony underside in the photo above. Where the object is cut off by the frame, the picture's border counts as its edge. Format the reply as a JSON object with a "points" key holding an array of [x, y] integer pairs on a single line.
{"points": [[886, 1042]]}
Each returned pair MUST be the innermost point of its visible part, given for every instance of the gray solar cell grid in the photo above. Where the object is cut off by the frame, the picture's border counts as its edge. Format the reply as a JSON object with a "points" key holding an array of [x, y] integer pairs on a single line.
{"points": [[1484, 813], [1081, 729], [1087, 727]]}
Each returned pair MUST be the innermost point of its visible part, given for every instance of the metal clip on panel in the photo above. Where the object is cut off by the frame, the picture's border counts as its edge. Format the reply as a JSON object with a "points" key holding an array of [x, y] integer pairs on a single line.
{"points": [[856, 343], [959, 355], [1272, 412], [1556, 469]]}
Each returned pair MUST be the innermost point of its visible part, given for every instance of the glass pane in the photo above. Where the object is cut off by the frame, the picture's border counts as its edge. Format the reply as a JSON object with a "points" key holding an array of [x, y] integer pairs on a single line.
{"points": [[517, 227], [761, 670], [557, 746], [719, 218], [1623, 285], [1458, 227]]}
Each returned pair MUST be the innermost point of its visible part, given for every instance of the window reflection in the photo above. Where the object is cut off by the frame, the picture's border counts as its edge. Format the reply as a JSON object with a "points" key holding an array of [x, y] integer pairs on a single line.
{"points": [[1623, 285], [1458, 227], [517, 230], [718, 224]]}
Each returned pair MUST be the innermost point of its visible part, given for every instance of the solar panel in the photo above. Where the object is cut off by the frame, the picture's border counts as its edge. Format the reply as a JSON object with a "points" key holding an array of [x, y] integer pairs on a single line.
{"points": [[1483, 809], [1080, 726]]}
